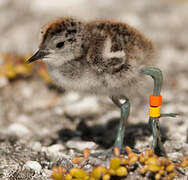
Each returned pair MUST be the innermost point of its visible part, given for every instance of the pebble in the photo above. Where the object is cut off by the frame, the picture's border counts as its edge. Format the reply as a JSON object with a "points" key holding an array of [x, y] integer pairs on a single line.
{"points": [[178, 142], [36, 146], [3, 82], [80, 145], [175, 156], [47, 173], [27, 92], [34, 165], [185, 149], [55, 148], [18, 129], [70, 97]]}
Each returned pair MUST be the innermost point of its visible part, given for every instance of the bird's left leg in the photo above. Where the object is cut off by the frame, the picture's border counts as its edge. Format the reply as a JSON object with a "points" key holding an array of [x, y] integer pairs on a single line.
{"points": [[124, 105]]}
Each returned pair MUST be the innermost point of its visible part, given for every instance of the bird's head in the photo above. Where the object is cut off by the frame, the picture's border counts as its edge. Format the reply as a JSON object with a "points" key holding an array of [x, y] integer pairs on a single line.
{"points": [[62, 40]]}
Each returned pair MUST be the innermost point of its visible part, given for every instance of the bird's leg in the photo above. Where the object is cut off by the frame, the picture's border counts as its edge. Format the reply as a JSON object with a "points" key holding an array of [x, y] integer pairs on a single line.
{"points": [[124, 105], [156, 74], [156, 143]]}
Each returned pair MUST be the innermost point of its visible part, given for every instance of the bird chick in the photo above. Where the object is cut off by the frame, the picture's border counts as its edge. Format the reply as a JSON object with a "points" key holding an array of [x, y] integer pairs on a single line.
{"points": [[100, 57]]}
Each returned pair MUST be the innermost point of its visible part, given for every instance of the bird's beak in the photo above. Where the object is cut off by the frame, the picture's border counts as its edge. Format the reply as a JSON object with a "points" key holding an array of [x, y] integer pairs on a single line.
{"points": [[40, 54]]}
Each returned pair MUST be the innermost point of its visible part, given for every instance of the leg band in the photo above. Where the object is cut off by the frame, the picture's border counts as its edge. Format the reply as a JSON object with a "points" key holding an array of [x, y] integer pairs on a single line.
{"points": [[154, 112]]}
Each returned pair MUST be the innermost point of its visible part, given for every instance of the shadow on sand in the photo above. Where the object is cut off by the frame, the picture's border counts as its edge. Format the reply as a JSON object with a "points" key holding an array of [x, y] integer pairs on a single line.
{"points": [[104, 135]]}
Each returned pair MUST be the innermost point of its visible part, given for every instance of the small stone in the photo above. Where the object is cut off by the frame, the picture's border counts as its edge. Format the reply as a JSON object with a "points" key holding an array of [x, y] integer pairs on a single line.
{"points": [[175, 156], [184, 149], [27, 92], [47, 173], [3, 82], [18, 129], [34, 165], [55, 148], [81, 145], [36, 146], [71, 97]]}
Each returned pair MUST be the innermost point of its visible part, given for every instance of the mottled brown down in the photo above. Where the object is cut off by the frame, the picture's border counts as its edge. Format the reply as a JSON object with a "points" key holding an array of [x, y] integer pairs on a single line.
{"points": [[101, 56]]}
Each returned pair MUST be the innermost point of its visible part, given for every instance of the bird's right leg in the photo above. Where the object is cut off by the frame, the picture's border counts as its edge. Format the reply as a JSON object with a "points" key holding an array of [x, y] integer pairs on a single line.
{"points": [[156, 74]]}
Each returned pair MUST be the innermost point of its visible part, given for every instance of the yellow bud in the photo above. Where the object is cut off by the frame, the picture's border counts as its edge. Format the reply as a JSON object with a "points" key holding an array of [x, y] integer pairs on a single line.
{"points": [[150, 152], [91, 178], [103, 170], [184, 163], [170, 167], [153, 167], [116, 151], [78, 173], [164, 161], [161, 172], [133, 159], [112, 171], [141, 158], [86, 152], [96, 173], [68, 177], [128, 149], [121, 171], [56, 176], [144, 169], [154, 161], [115, 163], [77, 160], [57, 172], [10, 70], [106, 177], [157, 176], [124, 161], [171, 176], [86, 178]]}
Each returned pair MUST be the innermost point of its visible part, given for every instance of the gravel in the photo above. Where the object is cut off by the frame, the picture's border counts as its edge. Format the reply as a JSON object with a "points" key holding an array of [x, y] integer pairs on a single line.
{"points": [[34, 165], [39, 125]]}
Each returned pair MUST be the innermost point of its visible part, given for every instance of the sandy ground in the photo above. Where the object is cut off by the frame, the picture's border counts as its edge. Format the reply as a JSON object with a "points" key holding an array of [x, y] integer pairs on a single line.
{"points": [[40, 124]]}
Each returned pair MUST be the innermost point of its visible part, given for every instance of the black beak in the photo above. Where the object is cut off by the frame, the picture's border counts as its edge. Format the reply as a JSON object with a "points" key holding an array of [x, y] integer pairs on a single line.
{"points": [[38, 55]]}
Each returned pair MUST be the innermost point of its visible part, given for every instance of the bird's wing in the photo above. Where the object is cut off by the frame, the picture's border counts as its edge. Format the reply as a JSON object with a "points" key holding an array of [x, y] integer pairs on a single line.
{"points": [[102, 58]]}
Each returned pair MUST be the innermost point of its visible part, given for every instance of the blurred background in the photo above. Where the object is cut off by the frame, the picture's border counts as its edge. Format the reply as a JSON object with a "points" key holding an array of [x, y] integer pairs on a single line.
{"points": [[33, 109]]}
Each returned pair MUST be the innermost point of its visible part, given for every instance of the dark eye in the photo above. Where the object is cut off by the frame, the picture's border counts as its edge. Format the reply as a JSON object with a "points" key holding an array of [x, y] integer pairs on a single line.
{"points": [[70, 40], [60, 44]]}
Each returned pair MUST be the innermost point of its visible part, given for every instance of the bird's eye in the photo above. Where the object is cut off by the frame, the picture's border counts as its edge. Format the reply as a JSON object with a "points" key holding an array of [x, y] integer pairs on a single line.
{"points": [[60, 44], [70, 40]]}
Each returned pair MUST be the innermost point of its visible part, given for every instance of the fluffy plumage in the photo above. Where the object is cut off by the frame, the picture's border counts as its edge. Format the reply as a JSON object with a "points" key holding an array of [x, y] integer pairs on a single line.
{"points": [[101, 57]]}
